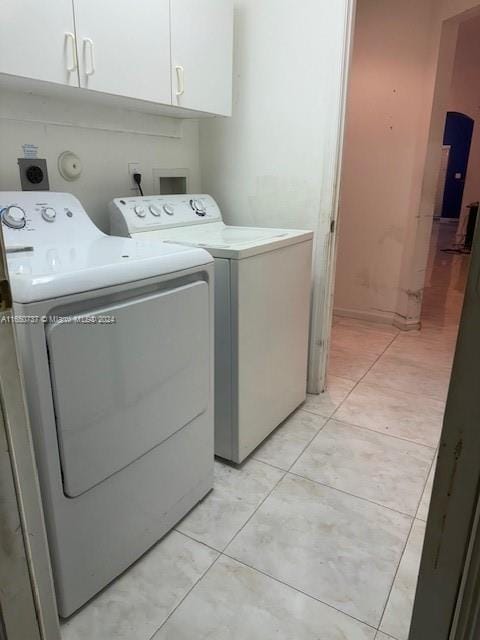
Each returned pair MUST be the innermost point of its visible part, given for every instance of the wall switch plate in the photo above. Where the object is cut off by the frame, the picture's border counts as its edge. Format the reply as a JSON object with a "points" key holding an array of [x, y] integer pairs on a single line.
{"points": [[33, 174]]}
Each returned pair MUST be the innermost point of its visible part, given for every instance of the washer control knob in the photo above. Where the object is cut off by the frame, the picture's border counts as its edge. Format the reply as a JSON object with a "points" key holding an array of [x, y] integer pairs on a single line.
{"points": [[14, 217], [154, 210], [140, 211], [198, 207], [168, 208], [49, 214]]}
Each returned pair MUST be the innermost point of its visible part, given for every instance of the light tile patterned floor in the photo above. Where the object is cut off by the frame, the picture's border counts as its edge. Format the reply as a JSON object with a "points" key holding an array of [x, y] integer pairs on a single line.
{"points": [[319, 533]]}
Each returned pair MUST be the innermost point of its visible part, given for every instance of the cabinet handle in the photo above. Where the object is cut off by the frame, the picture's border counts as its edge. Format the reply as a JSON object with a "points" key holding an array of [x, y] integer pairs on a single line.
{"points": [[180, 84], [70, 40], [89, 48]]}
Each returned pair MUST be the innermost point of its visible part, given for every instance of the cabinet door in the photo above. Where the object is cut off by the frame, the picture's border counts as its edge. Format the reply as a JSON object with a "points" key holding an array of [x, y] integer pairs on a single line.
{"points": [[124, 47], [202, 41], [37, 40]]}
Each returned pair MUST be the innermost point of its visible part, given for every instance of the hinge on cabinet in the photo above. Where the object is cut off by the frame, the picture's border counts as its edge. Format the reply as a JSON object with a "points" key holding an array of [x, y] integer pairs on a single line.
{"points": [[5, 295], [332, 226]]}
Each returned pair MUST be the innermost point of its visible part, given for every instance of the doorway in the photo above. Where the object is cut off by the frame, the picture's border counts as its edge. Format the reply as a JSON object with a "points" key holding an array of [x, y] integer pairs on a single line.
{"points": [[458, 139], [393, 273]]}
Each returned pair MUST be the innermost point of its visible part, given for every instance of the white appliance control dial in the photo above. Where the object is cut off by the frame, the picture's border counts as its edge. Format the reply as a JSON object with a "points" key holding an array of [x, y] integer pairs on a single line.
{"points": [[14, 217], [168, 208], [140, 211], [49, 214], [198, 207], [154, 210]]}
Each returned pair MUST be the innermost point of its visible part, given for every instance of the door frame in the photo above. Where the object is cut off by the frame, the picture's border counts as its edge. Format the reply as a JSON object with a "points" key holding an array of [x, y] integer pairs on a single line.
{"points": [[326, 250], [28, 604]]}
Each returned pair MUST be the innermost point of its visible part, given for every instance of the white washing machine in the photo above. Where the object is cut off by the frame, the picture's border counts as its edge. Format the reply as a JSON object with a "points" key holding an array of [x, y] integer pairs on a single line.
{"points": [[116, 346], [262, 310]]}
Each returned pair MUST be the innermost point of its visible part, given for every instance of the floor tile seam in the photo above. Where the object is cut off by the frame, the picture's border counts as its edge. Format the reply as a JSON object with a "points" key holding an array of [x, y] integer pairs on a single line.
{"points": [[352, 495], [425, 486], [304, 593], [382, 433], [396, 574], [186, 594], [362, 377], [284, 473]]}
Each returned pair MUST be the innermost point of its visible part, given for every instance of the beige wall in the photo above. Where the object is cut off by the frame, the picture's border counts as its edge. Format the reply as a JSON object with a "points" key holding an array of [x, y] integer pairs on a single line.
{"points": [[382, 172], [392, 155]]}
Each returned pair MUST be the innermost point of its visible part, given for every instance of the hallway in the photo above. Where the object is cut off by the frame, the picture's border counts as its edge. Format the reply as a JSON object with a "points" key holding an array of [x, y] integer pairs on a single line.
{"points": [[319, 533], [400, 383]]}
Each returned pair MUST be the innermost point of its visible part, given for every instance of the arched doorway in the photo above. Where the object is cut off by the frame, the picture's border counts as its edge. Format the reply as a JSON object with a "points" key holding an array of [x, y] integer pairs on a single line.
{"points": [[458, 137]]}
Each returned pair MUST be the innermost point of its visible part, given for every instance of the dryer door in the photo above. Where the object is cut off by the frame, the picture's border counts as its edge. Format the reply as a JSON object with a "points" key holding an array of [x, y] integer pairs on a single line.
{"points": [[121, 389]]}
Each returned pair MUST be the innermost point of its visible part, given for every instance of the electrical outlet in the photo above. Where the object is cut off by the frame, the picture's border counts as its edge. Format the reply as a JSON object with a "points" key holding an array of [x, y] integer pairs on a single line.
{"points": [[33, 174], [134, 167]]}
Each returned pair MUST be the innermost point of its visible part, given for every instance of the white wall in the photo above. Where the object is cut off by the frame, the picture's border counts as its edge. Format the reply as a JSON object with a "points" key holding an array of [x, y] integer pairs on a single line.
{"points": [[105, 138], [274, 162]]}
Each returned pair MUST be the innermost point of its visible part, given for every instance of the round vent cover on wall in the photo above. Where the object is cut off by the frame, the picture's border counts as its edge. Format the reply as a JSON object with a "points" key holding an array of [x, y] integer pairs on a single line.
{"points": [[69, 165]]}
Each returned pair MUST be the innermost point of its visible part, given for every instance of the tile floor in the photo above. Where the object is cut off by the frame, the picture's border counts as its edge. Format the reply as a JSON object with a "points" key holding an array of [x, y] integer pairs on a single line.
{"points": [[319, 533]]}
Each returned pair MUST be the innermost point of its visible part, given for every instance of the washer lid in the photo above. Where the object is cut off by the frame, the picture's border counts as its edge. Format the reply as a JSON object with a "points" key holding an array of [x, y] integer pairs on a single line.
{"points": [[224, 241], [51, 271]]}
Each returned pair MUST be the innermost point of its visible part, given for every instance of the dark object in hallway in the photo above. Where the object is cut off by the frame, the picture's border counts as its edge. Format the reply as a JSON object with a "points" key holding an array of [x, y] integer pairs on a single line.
{"points": [[458, 136], [472, 223]]}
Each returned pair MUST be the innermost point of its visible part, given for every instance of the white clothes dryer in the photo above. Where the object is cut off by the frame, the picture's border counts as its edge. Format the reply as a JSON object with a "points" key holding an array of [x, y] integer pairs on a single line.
{"points": [[116, 347]]}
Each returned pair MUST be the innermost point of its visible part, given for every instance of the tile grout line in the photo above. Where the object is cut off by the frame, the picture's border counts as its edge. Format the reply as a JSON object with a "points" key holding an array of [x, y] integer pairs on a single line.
{"points": [[186, 594], [284, 473], [395, 575], [382, 433], [363, 376], [308, 444], [352, 495], [220, 553], [304, 593], [434, 461], [304, 448]]}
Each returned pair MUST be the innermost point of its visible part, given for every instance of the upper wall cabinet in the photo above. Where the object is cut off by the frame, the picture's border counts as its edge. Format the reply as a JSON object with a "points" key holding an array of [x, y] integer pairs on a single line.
{"points": [[124, 47], [202, 42], [176, 53], [37, 40]]}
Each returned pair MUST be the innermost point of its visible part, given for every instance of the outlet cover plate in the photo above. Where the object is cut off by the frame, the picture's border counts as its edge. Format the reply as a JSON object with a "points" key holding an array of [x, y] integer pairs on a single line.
{"points": [[33, 174]]}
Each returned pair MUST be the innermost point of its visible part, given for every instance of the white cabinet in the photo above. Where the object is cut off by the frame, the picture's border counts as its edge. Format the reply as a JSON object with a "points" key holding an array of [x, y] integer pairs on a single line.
{"points": [[124, 47], [37, 40], [202, 41], [172, 53]]}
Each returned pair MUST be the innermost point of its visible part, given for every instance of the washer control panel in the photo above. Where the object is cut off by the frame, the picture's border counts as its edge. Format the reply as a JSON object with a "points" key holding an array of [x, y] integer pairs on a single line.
{"points": [[40, 217], [150, 213]]}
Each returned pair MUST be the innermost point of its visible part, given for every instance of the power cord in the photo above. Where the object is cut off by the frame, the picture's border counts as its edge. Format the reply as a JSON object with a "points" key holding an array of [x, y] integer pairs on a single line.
{"points": [[138, 179]]}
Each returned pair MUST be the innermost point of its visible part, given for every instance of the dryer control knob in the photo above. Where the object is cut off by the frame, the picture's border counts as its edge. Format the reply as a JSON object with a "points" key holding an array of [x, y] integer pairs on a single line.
{"points": [[154, 210], [198, 207], [169, 210], [14, 217], [49, 214], [140, 211]]}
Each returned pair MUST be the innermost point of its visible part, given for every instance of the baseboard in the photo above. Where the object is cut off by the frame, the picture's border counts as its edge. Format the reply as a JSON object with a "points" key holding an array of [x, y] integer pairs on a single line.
{"points": [[379, 317], [406, 325]]}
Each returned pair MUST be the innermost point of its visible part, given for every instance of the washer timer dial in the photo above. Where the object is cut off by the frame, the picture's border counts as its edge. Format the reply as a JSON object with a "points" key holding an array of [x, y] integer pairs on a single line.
{"points": [[14, 217]]}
